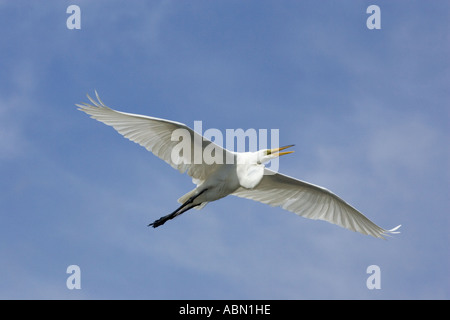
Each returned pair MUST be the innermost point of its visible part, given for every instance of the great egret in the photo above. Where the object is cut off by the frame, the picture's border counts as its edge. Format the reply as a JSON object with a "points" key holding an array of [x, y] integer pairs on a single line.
{"points": [[246, 177]]}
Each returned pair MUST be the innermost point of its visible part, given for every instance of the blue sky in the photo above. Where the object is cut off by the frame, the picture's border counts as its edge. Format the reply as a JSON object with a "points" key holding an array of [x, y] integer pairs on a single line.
{"points": [[368, 111]]}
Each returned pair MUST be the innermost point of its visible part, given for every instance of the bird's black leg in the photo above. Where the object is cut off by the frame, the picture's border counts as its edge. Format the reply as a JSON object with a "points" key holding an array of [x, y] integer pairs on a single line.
{"points": [[170, 216], [183, 208]]}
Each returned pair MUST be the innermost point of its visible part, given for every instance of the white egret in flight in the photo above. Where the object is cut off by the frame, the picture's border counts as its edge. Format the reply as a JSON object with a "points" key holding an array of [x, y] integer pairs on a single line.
{"points": [[245, 177]]}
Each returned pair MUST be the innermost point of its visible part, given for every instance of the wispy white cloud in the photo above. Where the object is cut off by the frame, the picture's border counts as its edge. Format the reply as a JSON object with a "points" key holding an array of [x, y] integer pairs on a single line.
{"points": [[14, 106]]}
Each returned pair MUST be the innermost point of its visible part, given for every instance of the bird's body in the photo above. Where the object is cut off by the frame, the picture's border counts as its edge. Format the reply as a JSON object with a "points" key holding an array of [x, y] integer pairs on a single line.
{"points": [[245, 176], [221, 183]]}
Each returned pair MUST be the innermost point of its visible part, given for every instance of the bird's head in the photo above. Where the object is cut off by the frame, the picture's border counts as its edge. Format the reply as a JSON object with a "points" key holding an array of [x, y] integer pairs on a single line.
{"points": [[266, 155]]}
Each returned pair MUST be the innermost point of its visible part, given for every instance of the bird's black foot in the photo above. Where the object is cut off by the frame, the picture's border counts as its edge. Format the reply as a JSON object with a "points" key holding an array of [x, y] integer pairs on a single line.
{"points": [[183, 208], [161, 221]]}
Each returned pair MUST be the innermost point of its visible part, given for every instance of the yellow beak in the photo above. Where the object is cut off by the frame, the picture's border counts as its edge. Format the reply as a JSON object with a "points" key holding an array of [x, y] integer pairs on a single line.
{"points": [[271, 151]]}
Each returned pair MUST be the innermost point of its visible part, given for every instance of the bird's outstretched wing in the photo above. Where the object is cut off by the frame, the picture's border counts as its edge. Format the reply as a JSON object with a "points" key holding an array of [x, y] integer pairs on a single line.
{"points": [[155, 135], [310, 201]]}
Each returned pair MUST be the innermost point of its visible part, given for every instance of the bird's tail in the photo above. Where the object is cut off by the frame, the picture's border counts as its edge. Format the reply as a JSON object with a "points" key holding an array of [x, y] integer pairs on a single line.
{"points": [[186, 197]]}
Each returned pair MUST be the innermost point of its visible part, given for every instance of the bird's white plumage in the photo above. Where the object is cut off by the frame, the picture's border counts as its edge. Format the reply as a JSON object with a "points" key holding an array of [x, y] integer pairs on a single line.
{"points": [[155, 135], [310, 201], [247, 178]]}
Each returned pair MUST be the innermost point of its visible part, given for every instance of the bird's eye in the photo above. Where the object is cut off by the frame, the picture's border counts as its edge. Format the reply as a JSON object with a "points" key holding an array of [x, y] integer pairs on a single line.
{"points": [[269, 152]]}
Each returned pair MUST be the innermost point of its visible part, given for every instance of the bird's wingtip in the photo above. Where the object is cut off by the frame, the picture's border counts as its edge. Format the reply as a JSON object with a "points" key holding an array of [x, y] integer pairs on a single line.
{"points": [[394, 230], [94, 104], [390, 232]]}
